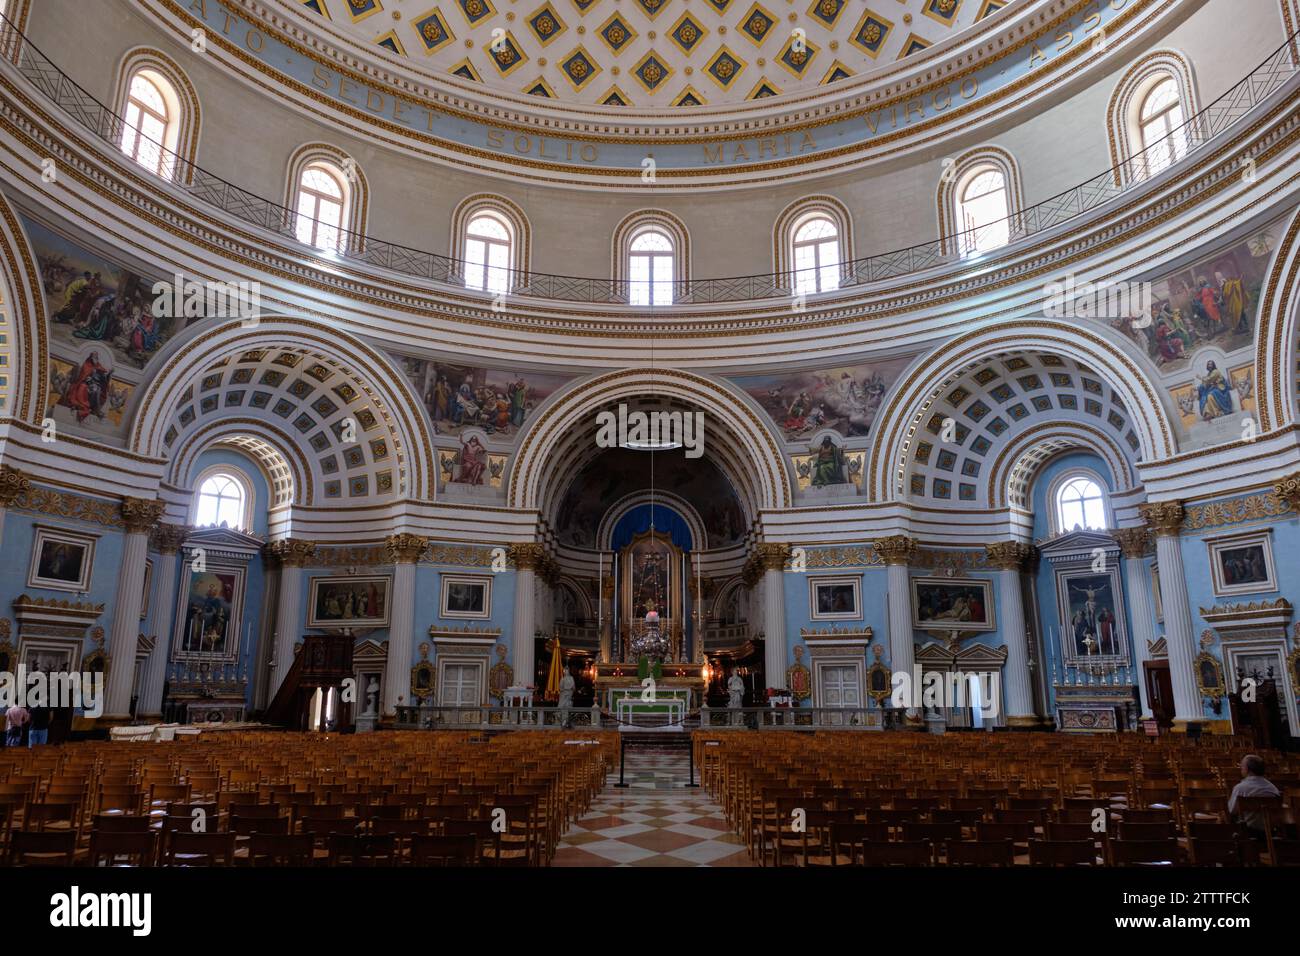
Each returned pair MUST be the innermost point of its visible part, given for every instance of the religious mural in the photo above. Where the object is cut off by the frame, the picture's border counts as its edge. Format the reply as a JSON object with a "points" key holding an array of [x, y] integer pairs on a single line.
{"points": [[619, 472], [845, 399], [1212, 302], [463, 396]]}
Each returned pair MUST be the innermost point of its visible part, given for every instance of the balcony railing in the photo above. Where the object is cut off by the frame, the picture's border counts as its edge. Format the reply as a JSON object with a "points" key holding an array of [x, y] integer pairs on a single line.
{"points": [[1173, 150]]}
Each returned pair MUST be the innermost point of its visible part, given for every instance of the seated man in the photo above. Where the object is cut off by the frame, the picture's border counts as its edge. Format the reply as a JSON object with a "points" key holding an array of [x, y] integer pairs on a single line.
{"points": [[1253, 784]]}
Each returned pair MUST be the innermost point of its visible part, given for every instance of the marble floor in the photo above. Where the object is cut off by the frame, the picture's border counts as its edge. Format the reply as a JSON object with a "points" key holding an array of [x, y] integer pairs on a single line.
{"points": [[656, 821]]}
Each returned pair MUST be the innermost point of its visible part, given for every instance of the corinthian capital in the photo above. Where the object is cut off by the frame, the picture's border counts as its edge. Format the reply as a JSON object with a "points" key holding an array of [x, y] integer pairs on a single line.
{"points": [[1009, 555], [1165, 518], [773, 556], [1134, 542], [1288, 490], [292, 552], [12, 484], [527, 555], [896, 549], [141, 514], [168, 538], [405, 548]]}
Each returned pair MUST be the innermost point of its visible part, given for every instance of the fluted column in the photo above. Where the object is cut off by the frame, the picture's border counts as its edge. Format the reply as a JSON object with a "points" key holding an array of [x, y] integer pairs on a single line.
{"points": [[1135, 544], [168, 539], [139, 516], [773, 558], [1166, 520], [526, 557], [1009, 557], [13, 483], [292, 554], [897, 552], [404, 551]]}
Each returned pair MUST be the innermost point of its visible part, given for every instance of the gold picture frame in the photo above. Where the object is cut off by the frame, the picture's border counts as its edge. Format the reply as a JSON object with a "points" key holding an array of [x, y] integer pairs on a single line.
{"points": [[422, 681], [1209, 676], [1293, 668], [880, 682]]}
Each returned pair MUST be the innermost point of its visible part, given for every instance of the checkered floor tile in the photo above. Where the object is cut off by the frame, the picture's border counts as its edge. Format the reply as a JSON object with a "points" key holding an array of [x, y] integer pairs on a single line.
{"points": [[656, 821]]}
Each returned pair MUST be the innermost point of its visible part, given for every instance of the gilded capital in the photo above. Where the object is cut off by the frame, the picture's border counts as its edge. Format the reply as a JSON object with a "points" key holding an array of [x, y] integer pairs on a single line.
{"points": [[1288, 489], [896, 549], [1165, 518], [405, 548], [527, 555], [1009, 555], [292, 552], [141, 514], [168, 538], [12, 484], [773, 556], [1134, 542]]}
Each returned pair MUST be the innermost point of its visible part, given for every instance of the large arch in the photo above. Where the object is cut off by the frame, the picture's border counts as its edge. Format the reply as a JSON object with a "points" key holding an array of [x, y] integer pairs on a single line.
{"points": [[1275, 343], [375, 378], [24, 308], [1115, 363], [741, 431]]}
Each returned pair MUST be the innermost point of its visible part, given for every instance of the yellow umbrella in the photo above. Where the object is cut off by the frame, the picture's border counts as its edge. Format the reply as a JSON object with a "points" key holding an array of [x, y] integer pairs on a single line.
{"points": [[556, 672]]}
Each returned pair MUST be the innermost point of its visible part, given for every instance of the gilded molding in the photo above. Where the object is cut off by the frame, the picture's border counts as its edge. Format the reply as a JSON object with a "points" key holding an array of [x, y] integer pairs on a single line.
{"points": [[1134, 542], [1288, 489], [1237, 510], [139, 515], [772, 557], [291, 552], [1165, 518], [526, 556], [1008, 555], [13, 485]]}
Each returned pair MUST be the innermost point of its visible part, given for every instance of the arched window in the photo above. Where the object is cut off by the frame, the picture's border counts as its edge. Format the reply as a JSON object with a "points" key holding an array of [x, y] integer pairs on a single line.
{"points": [[150, 122], [1080, 503], [321, 206], [223, 499], [488, 253], [816, 256], [1160, 126], [650, 268], [982, 210]]}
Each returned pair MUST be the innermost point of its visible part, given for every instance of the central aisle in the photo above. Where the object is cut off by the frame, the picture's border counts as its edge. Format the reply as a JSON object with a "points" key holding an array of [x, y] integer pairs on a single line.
{"points": [[657, 821]]}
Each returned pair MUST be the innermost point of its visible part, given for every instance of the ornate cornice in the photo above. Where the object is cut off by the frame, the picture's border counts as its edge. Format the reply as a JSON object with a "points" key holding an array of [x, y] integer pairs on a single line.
{"points": [[1278, 608], [1134, 542], [1165, 518], [12, 484], [896, 549], [405, 548], [526, 556], [292, 552], [1009, 555], [857, 634], [139, 515], [168, 538]]}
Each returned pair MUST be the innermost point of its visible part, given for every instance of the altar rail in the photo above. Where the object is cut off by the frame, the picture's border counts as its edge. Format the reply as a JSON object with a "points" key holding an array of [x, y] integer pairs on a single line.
{"points": [[494, 718], [1213, 121], [706, 718]]}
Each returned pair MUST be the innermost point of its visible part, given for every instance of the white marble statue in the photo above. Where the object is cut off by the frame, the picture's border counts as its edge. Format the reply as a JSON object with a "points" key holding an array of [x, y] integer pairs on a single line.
{"points": [[372, 697], [735, 690], [567, 684]]}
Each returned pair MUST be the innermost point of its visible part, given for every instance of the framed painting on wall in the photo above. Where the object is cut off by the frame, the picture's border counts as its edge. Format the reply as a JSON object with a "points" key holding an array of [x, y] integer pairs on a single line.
{"points": [[952, 604], [1091, 604], [835, 599], [62, 560], [349, 601], [208, 613], [1242, 563], [465, 596]]}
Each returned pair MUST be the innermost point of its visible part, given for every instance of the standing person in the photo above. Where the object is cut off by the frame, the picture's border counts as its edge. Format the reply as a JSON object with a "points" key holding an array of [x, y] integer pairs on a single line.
{"points": [[16, 718], [39, 732]]}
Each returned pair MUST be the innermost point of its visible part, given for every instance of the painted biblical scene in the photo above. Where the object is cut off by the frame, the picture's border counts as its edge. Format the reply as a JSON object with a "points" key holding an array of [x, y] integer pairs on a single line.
{"points": [[349, 601], [92, 300], [846, 399], [1092, 615], [209, 613], [88, 392], [952, 605], [463, 396], [1212, 302], [619, 472]]}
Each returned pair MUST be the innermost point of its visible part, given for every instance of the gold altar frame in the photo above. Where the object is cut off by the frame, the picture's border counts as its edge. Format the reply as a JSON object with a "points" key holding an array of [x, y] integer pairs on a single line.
{"points": [[674, 620]]}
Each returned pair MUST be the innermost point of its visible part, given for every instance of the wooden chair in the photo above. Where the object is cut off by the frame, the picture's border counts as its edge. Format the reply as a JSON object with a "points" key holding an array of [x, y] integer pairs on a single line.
{"points": [[42, 848], [280, 849], [444, 851], [186, 848], [1204, 851], [137, 847], [898, 853], [1144, 852], [1062, 853], [980, 853], [847, 840]]}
